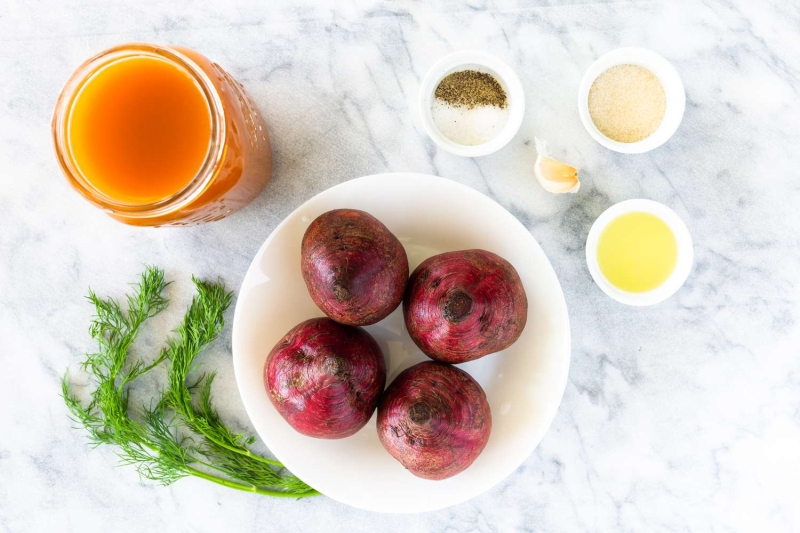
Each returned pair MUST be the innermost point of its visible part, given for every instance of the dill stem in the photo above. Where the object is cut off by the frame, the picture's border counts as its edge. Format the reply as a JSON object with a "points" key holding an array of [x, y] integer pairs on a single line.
{"points": [[249, 488], [245, 452], [234, 484], [252, 455]]}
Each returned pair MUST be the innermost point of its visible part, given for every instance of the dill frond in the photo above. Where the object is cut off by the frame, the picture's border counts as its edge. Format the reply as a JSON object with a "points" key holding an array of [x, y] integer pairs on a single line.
{"points": [[176, 437]]}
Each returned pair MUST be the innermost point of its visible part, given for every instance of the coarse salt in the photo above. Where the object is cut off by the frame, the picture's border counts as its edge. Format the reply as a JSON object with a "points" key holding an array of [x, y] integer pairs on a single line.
{"points": [[466, 126]]}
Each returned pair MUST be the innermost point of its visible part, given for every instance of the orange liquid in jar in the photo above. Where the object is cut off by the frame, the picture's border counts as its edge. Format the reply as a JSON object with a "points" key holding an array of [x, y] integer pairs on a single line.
{"points": [[160, 135], [139, 130]]}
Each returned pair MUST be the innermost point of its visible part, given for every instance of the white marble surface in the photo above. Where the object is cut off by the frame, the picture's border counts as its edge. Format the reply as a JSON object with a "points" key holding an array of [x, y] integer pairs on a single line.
{"points": [[680, 417]]}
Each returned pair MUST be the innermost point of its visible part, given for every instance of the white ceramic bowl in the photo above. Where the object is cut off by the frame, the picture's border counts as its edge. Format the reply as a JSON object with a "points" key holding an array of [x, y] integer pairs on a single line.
{"points": [[663, 70], [524, 383], [679, 273], [482, 62]]}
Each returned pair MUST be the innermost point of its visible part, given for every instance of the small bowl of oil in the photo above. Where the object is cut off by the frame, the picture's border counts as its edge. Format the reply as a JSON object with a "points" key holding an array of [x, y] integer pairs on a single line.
{"points": [[639, 252]]}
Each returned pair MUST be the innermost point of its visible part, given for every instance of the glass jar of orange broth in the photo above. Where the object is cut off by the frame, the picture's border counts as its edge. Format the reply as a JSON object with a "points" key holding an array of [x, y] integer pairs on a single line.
{"points": [[160, 135]]}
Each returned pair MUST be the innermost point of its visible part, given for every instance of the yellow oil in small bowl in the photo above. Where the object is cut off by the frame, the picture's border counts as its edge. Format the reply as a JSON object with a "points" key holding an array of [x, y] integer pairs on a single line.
{"points": [[637, 252]]}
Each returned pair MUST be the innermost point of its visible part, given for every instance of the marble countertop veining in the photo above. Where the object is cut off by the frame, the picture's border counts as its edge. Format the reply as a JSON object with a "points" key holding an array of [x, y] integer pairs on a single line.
{"points": [[680, 417]]}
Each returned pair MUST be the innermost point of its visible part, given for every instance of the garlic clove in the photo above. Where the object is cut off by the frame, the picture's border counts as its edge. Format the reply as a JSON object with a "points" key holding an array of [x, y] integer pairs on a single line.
{"points": [[554, 176]]}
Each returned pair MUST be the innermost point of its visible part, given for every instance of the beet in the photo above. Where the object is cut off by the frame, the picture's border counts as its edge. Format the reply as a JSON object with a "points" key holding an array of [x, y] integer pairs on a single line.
{"points": [[434, 419], [354, 267], [325, 379], [460, 306]]}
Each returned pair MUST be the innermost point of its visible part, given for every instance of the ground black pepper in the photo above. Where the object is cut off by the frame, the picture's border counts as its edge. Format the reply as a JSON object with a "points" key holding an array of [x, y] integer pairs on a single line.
{"points": [[470, 88]]}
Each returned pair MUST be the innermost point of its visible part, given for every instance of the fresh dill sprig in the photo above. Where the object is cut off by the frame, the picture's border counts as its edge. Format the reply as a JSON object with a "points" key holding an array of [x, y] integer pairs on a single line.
{"points": [[175, 437]]}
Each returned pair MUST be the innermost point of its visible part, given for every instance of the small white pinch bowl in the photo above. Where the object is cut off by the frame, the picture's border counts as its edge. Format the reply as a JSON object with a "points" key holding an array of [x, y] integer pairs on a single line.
{"points": [[682, 267], [482, 62], [667, 75]]}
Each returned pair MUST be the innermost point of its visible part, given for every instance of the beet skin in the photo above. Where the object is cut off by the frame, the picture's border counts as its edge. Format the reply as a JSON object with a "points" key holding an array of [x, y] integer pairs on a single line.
{"points": [[354, 267], [434, 419], [325, 379], [460, 306]]}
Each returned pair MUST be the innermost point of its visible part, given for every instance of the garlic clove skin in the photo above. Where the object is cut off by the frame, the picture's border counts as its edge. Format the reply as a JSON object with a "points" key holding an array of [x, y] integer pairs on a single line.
{"points": [[553, 175]]}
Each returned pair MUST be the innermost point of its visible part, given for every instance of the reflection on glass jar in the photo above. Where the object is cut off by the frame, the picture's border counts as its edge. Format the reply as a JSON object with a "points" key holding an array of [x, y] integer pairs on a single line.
{"points": [[158, 135]]}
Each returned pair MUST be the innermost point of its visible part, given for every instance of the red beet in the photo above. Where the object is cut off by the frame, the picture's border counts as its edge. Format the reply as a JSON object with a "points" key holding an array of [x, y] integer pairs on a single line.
{"points": [[354, 267], [460, 306], [434, 419], [325, 379]]}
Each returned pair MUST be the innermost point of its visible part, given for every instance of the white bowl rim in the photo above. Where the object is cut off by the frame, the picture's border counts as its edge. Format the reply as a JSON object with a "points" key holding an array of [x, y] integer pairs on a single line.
{"points": [[685, 252], [667, 75], [500, 70]]}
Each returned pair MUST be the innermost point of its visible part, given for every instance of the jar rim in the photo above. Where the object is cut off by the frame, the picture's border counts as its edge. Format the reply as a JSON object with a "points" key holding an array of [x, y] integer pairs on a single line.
{"points": [[204, 176]]}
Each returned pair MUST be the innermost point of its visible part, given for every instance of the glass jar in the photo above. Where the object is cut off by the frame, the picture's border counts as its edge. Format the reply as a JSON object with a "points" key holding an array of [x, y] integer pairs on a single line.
{"points": [[237, 164]]}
